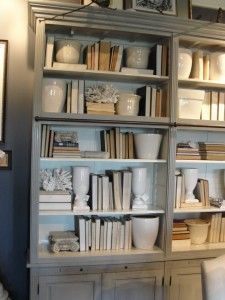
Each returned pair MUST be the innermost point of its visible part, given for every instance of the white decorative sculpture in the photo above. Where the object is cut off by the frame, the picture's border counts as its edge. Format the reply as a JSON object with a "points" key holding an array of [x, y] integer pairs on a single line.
{"points": [[190, 181], [55, 180], [81, 186], [139, 187], [102, 93]]}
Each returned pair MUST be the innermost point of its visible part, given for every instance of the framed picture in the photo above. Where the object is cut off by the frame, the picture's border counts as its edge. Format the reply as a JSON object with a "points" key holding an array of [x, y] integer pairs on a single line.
{"points": [[167, 7], [3, 69], [6, 161]]}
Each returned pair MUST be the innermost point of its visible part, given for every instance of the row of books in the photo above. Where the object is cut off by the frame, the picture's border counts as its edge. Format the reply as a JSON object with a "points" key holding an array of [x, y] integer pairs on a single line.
{"points": [[118, 144], [75, 97], [52, 146], [111, 191], [186, 151], [181, 234], [153, 101], [212, 151], [106, 233], [56, 200], [213, 106], [216, 232], [201, 192]]}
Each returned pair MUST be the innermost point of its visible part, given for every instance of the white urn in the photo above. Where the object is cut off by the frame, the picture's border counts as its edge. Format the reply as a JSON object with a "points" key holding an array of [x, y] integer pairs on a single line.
{"points": [[144, 231], [184, 63], [139, 182], [190, 181], [53, 95], [137, 57], [217, 66], [81, 187]]}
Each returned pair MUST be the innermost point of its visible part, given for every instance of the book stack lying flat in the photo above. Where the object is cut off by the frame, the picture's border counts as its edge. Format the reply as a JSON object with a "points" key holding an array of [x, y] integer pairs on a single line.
{"points": [[187, 152], [181, 234], [117, 144], [65, 145], [212, 151], [100, 108], [106, 233], [56, 200], [216, 232]]}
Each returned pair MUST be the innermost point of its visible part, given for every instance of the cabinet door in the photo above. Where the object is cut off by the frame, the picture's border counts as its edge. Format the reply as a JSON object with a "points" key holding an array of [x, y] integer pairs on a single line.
{"points": [[138, 285], [74, 287], [186, 284]]}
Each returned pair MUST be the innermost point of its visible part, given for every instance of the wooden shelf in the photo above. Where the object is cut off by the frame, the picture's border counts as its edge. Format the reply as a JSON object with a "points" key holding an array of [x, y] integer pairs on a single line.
{"points": [[149, 211], [197, 124], [106, 75], [198, 210], [99, 160], [195, 83], [200, 162], [202, 247]]}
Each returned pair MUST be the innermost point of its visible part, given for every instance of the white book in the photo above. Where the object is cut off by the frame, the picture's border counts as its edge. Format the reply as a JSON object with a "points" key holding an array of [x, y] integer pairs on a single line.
{"points": [[96, 46], [221, 110], [87, 233], [134, 71], [80, 109], [49, 51], [117, 189], [69, 67], [55, 206], [153, 102], [158, 59], [97, 233], [127, 234], [114, 233], [94, 191], [102, 237], [119, 224], [111, 207], [109, 235], [74, 97], [82, 233], [105, 192], [119, 59], [105, 234], [54, 196], [205, 115], [122, 236], [68, 97], [127, 177], [214, 105], [43, 139], [93, 234], [99, 179]]}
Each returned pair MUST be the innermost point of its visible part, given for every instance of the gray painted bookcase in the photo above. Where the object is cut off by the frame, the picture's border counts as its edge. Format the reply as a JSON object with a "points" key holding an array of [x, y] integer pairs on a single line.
{"points": [[165, 271]]}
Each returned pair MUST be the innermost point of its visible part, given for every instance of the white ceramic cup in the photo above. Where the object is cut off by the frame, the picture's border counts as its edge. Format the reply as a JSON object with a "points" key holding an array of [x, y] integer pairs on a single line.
{"points": [[128, 104], [67, 51], [53, 94], [144, 231], [137, 57], [147, 145], [81, 180], [198, 230], [217, 66], [184, 63]]}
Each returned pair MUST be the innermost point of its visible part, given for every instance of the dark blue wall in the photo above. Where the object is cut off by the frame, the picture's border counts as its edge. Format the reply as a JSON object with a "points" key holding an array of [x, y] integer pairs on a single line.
{"points": [[14, 184]]}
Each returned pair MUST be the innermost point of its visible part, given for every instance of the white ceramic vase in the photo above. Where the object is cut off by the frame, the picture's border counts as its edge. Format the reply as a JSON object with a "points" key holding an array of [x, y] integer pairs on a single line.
{"points": [[128, 104], [144, 231], [81, 187], [184, 63], [139, 181], [53, 94], [67, 51], [147, 145], [137, 57], [217, 66], [190, 181], [198, 230]]}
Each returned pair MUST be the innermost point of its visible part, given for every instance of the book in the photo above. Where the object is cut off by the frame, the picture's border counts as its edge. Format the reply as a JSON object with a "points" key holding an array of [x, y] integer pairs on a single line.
{"points": [[165, 59], [43, 139], [153, 102], [205, 113], [117, 190], [119, 59], [74, 97], [109, 234], [112, 143], [130, 145], [104, 55], [93, 233], [68, 97], [117, 142], [55, 196], [221, 105], [97, 232], [145, 101], [155, 59], [69, 67], [179, 179], [126, 189], [94, 192], [47, 141], [49, 51], [158, 104], [82, 232], [51, 140], [99, 193], [114, 233], [87, 234], [96, 56], [105, 193], [134, 71], [55, 206], [214, 106], [80, 107]]}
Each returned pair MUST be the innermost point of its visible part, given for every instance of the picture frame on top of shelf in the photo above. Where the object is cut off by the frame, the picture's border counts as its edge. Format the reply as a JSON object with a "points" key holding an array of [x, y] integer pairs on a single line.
{"points": [[167, 7], [6, 160], [3, 71]]}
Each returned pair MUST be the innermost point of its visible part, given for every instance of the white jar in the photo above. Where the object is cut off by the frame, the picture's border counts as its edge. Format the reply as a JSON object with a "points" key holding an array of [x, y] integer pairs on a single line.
{"points": [[184, 63], [67, 51], [128, 104], [53, 94], [137, 57], [144, 231], [198, 230], [217, 66], [147, 145]]}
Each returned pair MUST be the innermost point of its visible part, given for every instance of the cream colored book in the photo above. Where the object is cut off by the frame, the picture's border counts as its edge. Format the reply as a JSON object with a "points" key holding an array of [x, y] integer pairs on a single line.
{"points": [[49, 51], [221, 110], [214, 106], [222, 230], [205, 115], [69, 67]]}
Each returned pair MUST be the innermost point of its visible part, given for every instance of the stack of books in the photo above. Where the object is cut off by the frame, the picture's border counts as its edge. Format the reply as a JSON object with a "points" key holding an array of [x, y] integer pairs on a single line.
{"points": [[75, 97], [212, 151], [56, 200], [108, 233], [117, 144], [100, 108], [181, 234], [185, 151], [216, 232], [65, 147], [111, 191], [101, 56]]}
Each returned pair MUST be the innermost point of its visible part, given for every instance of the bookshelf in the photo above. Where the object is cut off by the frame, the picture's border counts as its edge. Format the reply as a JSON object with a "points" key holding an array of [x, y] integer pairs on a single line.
{"points": [[162, 30]]}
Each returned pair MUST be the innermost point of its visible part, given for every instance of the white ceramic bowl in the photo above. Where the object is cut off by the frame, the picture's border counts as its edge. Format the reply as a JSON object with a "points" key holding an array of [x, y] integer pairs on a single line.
{"points": [[217, 66], [198, 230], [147, 145], [67, 51], [184, 63], [144, 231], [53, 94], [137, 57], [128, 104]]}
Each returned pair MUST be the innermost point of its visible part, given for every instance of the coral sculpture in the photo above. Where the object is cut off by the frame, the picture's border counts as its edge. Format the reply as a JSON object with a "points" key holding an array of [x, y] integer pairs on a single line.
{"points": [[104, 93], [55, 180]]}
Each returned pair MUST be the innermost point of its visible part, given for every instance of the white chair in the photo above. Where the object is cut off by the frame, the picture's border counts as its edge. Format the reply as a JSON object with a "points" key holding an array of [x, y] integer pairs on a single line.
{"points": [[213, 279]]}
